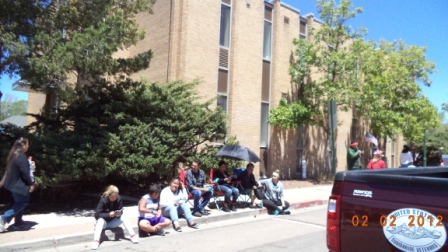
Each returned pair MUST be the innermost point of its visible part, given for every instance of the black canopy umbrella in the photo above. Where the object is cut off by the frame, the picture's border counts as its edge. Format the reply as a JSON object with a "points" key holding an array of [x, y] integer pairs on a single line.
{"points": [[238, 152]]}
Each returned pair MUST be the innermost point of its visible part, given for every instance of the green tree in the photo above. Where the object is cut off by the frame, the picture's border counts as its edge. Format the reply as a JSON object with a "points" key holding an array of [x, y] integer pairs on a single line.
{"points": [[130, 130], [9, 108], [391, 99], [52, 44], [330, 56]]}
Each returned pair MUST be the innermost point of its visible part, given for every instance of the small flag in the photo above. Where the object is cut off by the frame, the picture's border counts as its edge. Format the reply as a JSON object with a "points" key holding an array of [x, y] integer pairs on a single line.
{"points": [[370, 138]]}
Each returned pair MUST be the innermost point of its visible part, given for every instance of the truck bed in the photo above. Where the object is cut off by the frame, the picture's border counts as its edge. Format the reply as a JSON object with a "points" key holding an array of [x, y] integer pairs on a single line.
{"points": [[393, 209]]}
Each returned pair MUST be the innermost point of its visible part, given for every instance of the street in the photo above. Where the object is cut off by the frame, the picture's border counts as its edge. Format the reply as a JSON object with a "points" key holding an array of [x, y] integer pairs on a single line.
{"points": [[303, 230]]}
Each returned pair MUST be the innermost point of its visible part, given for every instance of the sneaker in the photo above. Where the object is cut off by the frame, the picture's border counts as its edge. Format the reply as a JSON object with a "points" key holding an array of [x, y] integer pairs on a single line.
{"points": [[134, 238], [203, 212], [161, 232], [19, 227], [95, 245], [194, 225], [225, 209], [234, 208], [286, 212], [197, 214], [2, 225]]}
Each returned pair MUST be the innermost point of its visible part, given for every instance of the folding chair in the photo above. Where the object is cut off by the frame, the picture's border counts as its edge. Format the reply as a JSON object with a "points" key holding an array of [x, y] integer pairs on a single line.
{"points": [[216, 192], [244, 198], [183, 179]]}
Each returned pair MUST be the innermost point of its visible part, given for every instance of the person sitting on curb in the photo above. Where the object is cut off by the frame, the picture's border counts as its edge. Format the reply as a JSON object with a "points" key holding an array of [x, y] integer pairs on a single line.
{"points": [[172, 201], [274, 195], [150, 217], [223, 178], [249, 183], [108, 214], [196, 185]]}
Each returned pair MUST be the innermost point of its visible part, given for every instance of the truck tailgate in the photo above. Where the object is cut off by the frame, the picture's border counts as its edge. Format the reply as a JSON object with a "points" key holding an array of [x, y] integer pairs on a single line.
{"points": [[391, 212]]}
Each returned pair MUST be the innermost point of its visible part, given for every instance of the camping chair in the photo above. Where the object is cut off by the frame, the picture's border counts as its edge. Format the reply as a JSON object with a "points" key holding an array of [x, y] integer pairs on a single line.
{"points": [[244, 199], [183, 179], [216, 192]]}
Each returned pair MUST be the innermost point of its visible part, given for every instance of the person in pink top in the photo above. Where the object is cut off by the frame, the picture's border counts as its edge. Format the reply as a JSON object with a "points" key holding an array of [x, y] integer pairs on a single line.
{"points": [[376, 162]]}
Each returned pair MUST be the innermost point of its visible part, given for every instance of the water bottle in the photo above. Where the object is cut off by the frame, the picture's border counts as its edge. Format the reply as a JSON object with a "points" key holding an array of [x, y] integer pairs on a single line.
{"points": [[261, 204]]}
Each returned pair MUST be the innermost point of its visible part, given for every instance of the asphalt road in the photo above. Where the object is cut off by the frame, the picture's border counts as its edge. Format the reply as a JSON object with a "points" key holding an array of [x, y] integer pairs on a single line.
{"points": [[303, 230]]}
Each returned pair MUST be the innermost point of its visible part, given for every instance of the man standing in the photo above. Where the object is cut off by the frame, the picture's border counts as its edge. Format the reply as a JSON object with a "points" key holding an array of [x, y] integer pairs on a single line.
{"points": [[196, 186], [353, 155]]}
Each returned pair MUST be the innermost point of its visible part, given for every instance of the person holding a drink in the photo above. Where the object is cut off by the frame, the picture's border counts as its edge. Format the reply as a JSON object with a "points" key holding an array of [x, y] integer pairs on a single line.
{"points": [[173, 200], [223, 179]]}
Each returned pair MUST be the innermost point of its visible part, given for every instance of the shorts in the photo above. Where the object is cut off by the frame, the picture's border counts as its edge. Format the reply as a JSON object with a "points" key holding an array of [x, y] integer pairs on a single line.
{"points": [[250, 192], [153, 221]]}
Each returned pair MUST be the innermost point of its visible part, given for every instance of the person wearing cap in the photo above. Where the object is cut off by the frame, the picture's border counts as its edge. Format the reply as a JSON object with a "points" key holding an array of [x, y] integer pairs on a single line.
{"points": [[376, 162], [353, 155], [440, 156]]}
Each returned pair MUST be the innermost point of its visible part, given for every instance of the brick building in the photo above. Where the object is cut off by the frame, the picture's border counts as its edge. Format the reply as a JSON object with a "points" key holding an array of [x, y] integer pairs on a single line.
{"points": [[241, 51]]}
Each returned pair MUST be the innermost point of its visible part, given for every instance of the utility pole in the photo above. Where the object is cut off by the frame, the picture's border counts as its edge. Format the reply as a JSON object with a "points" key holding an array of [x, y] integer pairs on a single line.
{"points": [[424, 148]]}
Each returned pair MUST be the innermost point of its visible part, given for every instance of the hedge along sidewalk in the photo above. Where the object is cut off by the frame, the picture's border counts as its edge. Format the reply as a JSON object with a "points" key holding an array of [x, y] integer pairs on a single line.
{"points": [[59, 229]]}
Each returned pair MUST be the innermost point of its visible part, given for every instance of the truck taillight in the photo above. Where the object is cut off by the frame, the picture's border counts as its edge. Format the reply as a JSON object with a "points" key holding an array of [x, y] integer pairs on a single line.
{"points": [[333, 225]]}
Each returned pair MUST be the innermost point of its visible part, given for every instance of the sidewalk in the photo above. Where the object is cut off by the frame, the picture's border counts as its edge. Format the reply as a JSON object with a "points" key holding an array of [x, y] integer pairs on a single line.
{"points": [[69, 228]]}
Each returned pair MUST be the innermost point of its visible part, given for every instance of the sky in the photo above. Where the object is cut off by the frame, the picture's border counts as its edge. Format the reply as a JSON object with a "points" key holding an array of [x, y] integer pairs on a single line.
{"points": [[417, 22], [422, 23]]}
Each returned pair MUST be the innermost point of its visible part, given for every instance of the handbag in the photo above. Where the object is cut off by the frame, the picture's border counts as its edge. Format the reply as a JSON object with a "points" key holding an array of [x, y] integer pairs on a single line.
{"points": [[259, 192]]}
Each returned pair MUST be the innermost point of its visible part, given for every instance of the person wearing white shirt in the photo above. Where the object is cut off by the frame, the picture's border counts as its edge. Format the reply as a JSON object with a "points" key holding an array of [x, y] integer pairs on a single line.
{"points": [[406, 158], [173, 202]]}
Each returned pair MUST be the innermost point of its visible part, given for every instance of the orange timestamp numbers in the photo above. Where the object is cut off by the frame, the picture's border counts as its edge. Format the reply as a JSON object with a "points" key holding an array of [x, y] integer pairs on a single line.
{"points": [[414, 220]]}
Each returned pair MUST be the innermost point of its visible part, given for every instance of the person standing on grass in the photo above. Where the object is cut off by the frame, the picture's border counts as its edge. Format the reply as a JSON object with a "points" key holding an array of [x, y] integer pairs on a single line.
{"points": [[17, 180], [108, 214]]}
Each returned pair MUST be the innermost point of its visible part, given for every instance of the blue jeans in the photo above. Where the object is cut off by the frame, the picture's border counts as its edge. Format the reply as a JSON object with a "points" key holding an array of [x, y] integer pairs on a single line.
{"points": [[205, 199], [20, 202], [405, 165], [173, 212], [228, 191]]}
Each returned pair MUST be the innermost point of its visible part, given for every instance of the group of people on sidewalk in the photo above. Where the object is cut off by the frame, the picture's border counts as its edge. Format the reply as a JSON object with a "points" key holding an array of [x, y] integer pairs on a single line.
{"points": [[157, 209], [161, 208], [406, 158]]}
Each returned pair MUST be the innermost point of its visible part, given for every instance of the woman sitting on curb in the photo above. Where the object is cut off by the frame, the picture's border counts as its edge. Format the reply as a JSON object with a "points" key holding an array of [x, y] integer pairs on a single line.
{"points": [[150, 217], [108, 215], [274, 195], [173, 202]]}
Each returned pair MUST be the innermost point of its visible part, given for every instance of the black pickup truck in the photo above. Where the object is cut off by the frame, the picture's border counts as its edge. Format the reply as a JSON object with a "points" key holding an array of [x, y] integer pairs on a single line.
{"points": [[403, 209]]}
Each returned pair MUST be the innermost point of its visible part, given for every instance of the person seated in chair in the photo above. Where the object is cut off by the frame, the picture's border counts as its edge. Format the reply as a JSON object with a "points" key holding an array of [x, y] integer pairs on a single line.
{"points": [[196, 185], [223, 185], [150, 217], [173, 201], [249, 183], [274, 201]]}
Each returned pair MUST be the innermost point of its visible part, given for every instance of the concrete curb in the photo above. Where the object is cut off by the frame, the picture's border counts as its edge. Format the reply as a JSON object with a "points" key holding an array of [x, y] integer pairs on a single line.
{"points": [[51, 242]]}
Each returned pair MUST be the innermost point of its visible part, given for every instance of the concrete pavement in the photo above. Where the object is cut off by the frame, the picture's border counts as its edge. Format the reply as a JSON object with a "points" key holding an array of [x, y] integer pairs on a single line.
{"points": [[72, 227]]}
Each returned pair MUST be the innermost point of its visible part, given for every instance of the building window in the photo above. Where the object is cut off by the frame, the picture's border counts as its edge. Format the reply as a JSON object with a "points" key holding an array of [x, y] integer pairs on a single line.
{"points": [[224, 35], [264, 132], [302, 32], [267, 40], [221, 101]]}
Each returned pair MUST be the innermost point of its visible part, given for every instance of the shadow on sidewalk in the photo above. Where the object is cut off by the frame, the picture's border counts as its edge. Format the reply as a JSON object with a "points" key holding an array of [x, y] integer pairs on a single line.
{"points": [[27, 225]]}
